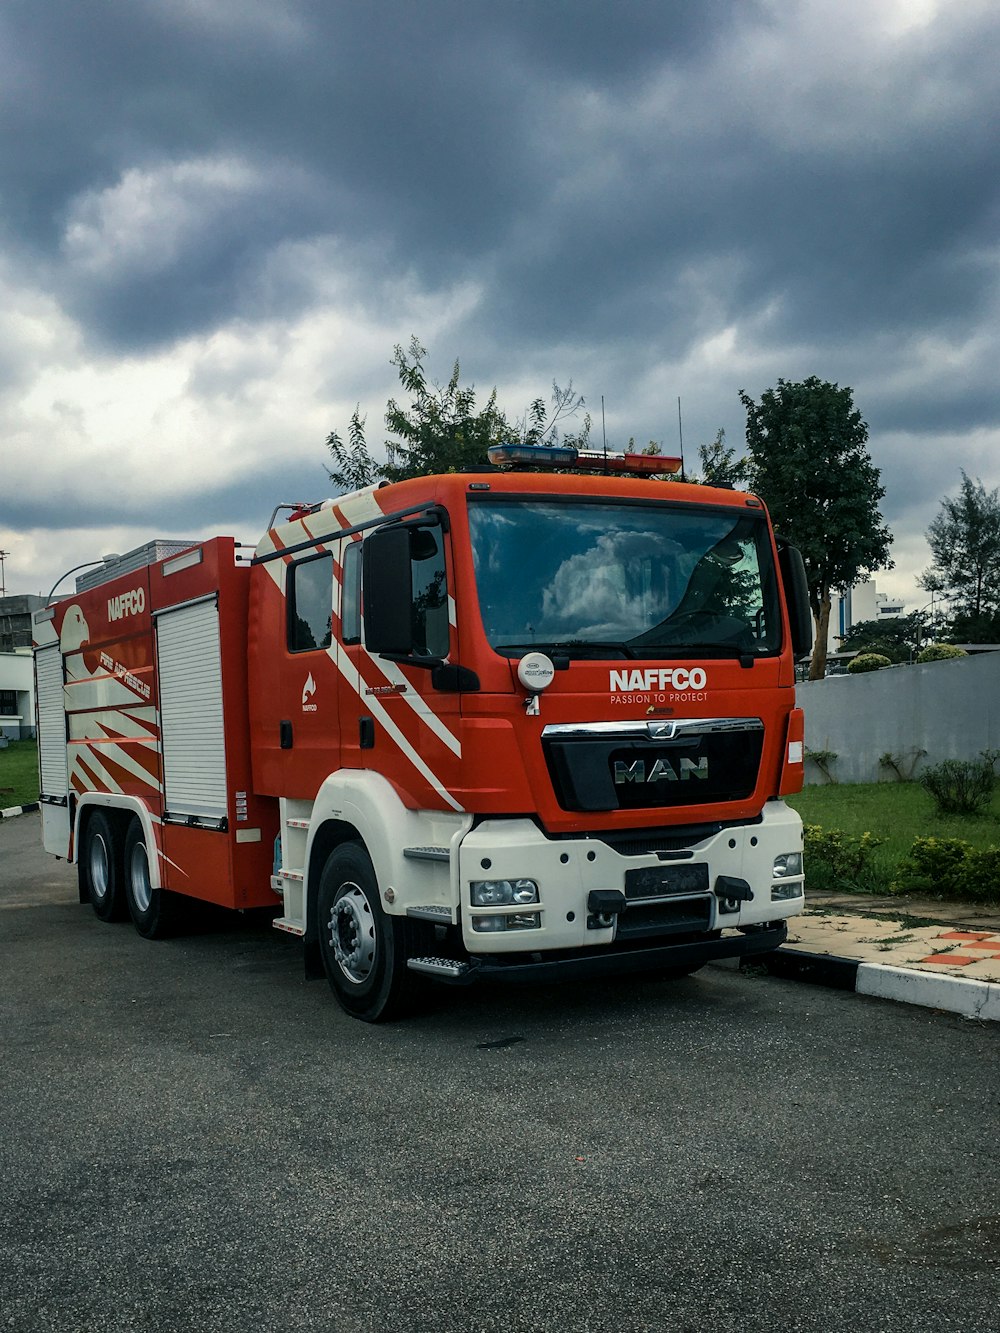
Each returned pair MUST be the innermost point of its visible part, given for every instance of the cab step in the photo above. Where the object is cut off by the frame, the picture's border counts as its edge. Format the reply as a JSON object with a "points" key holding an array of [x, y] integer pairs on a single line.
{"points": [[436, 912], [443, 969], [290, 925], [427, 853]]}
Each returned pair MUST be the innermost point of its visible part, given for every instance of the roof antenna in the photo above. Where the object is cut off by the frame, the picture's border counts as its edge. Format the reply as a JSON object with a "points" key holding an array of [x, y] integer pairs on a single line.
{"points": [[680, 432], [604, 432]]}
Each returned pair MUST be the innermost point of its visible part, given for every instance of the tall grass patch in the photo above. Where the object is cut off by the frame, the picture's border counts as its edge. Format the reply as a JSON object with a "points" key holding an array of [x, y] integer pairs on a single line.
{"points": [[18, 773]]}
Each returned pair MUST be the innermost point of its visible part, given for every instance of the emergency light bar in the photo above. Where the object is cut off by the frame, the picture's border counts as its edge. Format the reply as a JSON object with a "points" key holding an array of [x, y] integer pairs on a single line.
{"points": [[585, 460], [532, 455]]}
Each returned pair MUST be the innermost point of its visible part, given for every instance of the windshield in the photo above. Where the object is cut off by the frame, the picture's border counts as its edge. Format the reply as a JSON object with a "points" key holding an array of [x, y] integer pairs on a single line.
{"points": [[624, 580]]}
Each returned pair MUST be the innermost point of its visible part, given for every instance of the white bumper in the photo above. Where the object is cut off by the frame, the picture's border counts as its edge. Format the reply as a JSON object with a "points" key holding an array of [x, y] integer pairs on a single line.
{"points": [[568, 870]]}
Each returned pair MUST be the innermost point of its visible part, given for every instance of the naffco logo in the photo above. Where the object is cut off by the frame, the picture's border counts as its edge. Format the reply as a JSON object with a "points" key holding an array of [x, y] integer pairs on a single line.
{"points": [[659, 678], [131, 603], [662, 771]]}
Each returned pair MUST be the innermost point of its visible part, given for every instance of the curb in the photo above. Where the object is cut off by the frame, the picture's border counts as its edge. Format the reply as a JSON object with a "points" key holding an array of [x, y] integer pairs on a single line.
{"points": [[13, 811], [932, 990]]}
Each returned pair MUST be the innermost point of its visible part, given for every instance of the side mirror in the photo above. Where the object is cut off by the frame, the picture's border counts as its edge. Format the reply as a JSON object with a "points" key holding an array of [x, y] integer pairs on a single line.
{"points": [[387, 591], [796, 586]]}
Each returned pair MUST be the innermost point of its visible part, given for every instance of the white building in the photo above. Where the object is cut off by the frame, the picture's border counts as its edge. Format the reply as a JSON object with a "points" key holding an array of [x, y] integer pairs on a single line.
{"points": [[17, 695], [862, 602], [17, 680]]}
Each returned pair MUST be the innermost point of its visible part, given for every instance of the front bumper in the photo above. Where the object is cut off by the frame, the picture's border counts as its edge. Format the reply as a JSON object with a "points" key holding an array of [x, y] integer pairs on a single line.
{"points": [[575, 876], [611, 961]]}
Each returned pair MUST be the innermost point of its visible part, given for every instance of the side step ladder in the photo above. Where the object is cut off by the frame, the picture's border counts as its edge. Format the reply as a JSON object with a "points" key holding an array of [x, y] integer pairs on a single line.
{"points": [[289, 883]]}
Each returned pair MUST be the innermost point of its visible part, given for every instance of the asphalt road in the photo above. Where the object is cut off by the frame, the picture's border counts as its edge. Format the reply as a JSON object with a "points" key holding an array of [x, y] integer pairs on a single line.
{"points": [[194, 1137]]}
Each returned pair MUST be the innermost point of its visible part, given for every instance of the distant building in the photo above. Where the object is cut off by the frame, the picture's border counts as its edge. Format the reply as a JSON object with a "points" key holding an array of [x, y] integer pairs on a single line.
{"points": [[862, 602], [17, 682]]}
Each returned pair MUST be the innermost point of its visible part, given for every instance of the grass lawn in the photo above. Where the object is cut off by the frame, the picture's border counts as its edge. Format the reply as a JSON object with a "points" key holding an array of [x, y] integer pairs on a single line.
{"points": [[18, 773], [895, 813]]}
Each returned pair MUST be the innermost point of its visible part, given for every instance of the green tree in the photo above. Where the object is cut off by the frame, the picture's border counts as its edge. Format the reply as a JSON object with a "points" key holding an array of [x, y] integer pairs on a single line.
{"points": [[809, 461], [896, 637], [962, 628], [965, 546], [720, 465], [353, 466], [442, 429]]}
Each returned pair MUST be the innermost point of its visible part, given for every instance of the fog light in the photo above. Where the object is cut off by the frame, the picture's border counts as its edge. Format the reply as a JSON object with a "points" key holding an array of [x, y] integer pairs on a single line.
{"points": [[789, 863], [503, 892], [489, 924], [492, 925], [524, 921], [782, 892]]}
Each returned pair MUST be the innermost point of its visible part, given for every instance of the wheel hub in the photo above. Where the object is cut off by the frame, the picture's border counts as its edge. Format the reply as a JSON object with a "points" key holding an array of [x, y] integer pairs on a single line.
{"points": [[351, 933], [142, 892], [100, 871]]}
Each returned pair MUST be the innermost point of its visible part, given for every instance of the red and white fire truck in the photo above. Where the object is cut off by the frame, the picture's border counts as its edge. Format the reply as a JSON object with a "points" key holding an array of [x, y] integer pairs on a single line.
{"points": [[504, 724]]}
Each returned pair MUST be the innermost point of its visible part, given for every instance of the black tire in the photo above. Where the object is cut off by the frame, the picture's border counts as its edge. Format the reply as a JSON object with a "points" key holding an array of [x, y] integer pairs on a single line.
{"points": [[364, 950], [101, 867], [154, 912]]}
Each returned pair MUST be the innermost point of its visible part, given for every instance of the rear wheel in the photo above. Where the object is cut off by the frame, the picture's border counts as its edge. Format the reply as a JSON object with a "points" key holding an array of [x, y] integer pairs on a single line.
{"points": [[101, 867], [153, 911], [364, 951]]}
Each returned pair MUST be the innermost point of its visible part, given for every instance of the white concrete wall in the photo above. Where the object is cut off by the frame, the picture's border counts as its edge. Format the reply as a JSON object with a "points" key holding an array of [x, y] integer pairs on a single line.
{"points": [[950, 709]]}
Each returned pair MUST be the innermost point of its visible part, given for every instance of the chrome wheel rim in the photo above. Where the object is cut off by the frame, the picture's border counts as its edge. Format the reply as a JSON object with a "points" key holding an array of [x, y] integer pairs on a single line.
{"points": [[142, 892], [99, 866], [350, 933]]}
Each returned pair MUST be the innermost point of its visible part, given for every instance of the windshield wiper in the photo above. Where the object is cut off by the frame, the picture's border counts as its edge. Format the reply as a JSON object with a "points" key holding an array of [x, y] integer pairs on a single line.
{"points": [[569, 648]]}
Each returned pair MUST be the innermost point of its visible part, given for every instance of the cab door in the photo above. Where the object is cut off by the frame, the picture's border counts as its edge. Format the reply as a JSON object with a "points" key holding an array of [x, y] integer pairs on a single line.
{"points": [[408, 698]]}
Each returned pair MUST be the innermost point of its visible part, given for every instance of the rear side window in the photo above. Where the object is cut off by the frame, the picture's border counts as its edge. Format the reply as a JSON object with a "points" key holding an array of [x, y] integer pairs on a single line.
{"points": [[310, 603]]}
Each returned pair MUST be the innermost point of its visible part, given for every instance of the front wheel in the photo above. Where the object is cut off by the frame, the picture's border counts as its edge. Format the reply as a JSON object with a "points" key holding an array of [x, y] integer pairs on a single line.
{"points": [[102, 867], [364, 951], [153, 911]]}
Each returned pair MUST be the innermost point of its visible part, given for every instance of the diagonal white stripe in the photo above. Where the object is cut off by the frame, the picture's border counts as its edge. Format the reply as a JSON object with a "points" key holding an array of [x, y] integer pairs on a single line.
{"points": [[353, 677]]}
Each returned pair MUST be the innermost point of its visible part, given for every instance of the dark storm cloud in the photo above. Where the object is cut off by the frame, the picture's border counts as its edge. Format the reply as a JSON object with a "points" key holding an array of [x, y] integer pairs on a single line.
{"points": [[443, 136], [424, 129], [568, 188], [240, 507]]}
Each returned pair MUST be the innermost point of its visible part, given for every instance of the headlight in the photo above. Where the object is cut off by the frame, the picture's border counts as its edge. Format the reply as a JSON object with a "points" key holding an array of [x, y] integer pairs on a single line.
{"points": [[786, 865], [503, 892]]}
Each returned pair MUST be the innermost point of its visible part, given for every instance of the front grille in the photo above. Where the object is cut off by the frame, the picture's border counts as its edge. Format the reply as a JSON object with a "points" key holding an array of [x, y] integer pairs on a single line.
{"points": [[627, 771]]}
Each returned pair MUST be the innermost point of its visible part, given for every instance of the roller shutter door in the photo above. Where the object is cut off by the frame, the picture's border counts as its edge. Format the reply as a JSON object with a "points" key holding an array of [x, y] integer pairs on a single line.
{"points": [[51, 723], [191, 719]]}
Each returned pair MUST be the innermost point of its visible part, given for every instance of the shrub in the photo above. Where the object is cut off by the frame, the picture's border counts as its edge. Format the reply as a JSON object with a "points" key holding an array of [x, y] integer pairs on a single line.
{"points": [[949, 868], [933, 865], [960, 786], [940, 652], [867, 662], [837, 860]]}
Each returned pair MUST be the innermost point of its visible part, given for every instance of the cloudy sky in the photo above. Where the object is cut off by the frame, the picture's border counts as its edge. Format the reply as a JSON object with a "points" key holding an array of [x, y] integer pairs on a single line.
{"points": [[219, 216]]}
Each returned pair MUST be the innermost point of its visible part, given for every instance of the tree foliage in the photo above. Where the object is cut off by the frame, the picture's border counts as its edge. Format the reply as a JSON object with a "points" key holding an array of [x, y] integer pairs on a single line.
{"points": [[720, 466], [442, 429], [810, 463], [965, 545], [896, 637]]}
